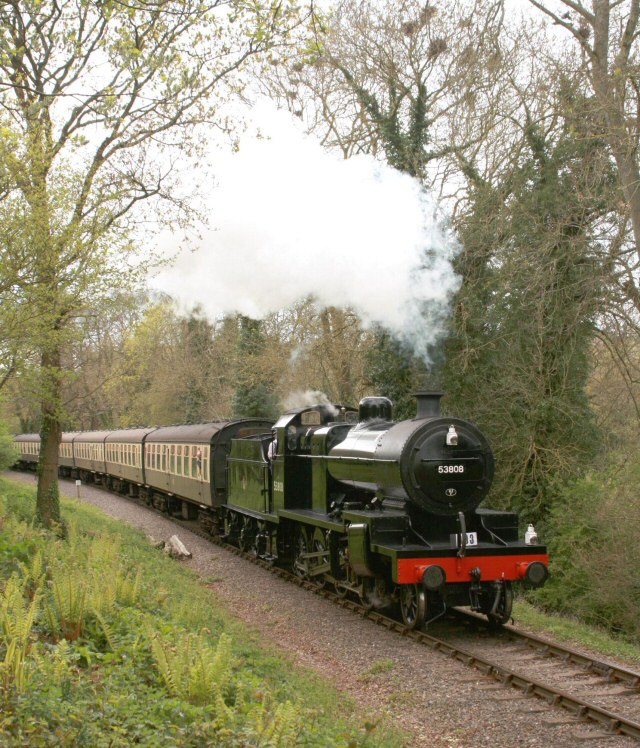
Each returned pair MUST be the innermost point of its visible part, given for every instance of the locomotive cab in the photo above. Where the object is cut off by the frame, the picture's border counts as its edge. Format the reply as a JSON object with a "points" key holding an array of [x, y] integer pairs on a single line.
{"points": [[293, 475], [273, 472]]}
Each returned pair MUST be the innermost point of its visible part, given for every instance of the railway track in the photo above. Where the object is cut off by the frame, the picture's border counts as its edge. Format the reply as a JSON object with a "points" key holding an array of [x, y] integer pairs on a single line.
{"points": [[587, 689]]}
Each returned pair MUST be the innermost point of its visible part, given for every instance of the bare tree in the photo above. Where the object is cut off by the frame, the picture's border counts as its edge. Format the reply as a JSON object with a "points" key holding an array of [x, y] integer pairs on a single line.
{"points": [[606, 33], [391, 79]]}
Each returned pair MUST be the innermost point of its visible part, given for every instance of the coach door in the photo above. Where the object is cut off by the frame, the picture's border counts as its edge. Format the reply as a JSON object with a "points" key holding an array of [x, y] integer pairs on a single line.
{"points": [[166, 467]]}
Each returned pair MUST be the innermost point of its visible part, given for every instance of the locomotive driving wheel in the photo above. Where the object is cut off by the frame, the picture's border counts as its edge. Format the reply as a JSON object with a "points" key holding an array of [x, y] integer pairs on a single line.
{"points": [[247, 534], [413, 605], [300, 554], [319, 557], [349, 581]]}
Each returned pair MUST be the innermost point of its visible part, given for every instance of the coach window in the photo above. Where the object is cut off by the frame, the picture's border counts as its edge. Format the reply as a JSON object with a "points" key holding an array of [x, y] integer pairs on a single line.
{"points": [[205, 464], [179, 459]]}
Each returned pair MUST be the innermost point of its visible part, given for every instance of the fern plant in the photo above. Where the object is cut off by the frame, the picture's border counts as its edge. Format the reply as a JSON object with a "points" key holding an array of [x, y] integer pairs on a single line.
{"points": [[33, 574], [115, 587], [17, 616], [194, 670], [67, 609], [269, 726]]}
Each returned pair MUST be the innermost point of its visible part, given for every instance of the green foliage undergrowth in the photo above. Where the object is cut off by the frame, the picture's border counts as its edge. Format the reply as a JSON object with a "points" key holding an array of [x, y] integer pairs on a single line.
{"points": [[594, 552], [94, 651]]}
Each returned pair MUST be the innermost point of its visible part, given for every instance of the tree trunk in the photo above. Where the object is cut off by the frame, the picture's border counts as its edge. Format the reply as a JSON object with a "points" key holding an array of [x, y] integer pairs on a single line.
{"points": [[48, 497]]}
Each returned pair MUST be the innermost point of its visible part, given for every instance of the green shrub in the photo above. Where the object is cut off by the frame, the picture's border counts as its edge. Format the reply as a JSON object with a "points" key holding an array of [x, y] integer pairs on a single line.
{"points": [[8, 450], [594, 551]]}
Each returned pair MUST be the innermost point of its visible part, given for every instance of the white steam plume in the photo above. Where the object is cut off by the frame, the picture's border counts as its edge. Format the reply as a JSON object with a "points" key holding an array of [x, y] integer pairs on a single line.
{"points": [[291, 220], [305, 399]]}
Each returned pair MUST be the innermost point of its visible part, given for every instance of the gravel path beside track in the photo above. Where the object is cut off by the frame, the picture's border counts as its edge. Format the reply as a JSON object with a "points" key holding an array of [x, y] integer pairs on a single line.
{"points": [[436, 701]]}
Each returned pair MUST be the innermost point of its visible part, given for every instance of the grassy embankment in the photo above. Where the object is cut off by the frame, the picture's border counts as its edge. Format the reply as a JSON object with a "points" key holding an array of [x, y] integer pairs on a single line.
{"points": [[104, 641], [572, 631]]}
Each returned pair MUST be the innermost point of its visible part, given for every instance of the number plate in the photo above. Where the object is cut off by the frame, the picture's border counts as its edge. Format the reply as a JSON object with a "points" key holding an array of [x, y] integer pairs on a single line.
{"points": [[471, 539], [451, 469]]}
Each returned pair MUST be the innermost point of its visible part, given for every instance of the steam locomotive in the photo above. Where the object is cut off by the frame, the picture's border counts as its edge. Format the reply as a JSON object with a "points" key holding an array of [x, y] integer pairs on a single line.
{"points": [[386, 511]]}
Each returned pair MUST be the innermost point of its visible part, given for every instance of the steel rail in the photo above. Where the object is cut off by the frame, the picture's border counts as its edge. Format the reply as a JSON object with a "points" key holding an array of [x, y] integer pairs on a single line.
{"points": [[609, 670]]}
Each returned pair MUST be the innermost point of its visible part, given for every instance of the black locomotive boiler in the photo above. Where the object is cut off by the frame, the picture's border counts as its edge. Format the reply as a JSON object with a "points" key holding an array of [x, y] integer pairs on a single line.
{"points": [[386, 511]]}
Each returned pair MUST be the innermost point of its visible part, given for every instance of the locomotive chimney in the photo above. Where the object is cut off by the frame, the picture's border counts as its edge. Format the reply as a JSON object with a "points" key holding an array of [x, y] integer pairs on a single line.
{"points": [[428, 404]]}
